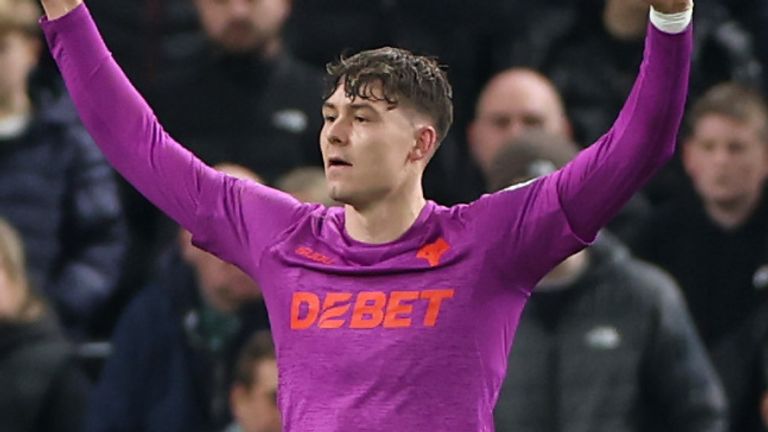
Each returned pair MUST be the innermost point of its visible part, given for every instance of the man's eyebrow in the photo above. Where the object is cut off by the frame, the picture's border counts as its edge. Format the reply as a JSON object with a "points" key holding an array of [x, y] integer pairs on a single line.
{"points": [[362, 105], [357, 106]]}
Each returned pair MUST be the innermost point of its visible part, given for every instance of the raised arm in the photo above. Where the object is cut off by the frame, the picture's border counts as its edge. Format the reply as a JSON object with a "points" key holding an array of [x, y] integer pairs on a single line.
{"points": [[601, 179], [554, 216], [216, 209]]}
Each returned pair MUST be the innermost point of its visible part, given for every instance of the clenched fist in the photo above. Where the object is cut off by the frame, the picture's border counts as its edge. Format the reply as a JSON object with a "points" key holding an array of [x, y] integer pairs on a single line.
{"points": [[670, 6]]}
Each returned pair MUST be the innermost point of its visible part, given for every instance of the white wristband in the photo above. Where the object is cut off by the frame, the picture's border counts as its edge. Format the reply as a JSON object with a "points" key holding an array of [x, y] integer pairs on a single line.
{"points": [[673, 23]]}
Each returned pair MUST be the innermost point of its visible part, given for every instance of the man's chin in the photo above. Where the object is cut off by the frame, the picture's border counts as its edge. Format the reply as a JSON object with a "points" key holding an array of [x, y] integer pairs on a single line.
{"points": [[340, 196]]}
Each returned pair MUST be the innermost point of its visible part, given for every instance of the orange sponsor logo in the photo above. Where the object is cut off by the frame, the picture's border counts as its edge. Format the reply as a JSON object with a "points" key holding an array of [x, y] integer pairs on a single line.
{"points": [[432, 252], [314, 256], [365, 310]]}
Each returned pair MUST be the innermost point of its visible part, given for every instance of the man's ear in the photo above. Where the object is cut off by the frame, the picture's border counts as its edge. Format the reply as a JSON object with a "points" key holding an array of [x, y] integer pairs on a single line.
{"points": [[425, 143]]}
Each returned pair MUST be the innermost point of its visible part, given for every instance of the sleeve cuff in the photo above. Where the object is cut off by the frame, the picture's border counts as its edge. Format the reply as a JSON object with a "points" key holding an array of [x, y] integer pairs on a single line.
{"points": [[673, 23]]}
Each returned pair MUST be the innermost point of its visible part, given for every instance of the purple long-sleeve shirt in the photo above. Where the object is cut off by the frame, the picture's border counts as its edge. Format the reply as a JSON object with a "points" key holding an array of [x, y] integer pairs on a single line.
{"points": [[411, 335]]}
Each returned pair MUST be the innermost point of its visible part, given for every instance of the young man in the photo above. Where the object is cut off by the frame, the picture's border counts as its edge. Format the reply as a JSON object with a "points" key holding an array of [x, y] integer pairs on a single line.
{"points": [[392, 313]]}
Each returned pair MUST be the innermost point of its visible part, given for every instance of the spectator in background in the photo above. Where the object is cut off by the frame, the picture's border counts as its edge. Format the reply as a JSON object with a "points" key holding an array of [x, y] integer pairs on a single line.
{"points": [[714, 243], [306, 184], [513, 101], [245, 98], [518, 100], [42, 388], [559, 39], [55, 186], [253, 396], [605, 342], [175, 345]]}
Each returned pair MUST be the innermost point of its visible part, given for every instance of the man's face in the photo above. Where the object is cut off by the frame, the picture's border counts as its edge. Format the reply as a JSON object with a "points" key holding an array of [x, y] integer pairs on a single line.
{"points": [[224, 286], [512, 103], [368, 148], [18, 57], [243, 25], [255, 408], [726, 160]]}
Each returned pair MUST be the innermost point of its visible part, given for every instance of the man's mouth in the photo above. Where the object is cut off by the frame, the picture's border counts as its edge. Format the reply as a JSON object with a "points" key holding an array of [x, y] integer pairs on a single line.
{"points": [[337, 162]]}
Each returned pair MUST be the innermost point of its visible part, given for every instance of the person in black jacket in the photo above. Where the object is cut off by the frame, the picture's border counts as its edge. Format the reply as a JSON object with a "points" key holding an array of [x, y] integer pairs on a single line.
{"points": [[42, 388], [55, 186], [714, 241], [605, 342]]}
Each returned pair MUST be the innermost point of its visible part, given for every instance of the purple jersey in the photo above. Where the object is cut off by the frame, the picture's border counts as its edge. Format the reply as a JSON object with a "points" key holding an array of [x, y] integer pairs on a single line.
{"points": [[411, 335]]}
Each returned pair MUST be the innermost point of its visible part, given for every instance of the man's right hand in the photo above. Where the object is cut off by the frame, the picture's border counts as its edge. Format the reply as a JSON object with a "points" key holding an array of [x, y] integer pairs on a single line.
{"points": [[58, 8]]}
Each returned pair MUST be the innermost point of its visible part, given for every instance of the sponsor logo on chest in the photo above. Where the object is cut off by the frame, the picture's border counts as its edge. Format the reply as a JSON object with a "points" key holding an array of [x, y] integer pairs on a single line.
{"points": [[367, 309]]}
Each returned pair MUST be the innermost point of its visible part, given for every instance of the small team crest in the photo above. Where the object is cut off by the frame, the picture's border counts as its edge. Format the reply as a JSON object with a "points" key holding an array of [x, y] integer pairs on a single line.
{"points": [[433, 252]]}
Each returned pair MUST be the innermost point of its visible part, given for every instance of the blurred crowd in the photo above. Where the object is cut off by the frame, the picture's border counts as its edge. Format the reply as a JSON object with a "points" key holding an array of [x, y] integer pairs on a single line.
{"points": [[110, 320]]}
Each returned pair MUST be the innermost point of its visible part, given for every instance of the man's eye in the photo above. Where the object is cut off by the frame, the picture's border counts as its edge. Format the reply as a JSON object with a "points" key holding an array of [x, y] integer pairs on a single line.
{"points": [[329, 118], [360, 119]]}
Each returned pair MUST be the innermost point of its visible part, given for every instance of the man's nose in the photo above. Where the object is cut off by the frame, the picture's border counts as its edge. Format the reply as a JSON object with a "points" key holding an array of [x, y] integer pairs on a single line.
{"points": [[514, 129], [337, 133]]}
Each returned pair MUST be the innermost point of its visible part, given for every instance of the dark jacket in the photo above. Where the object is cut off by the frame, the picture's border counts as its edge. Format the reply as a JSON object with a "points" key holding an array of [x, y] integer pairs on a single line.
{"points": [[59, 192], [616, 351], [724, 276], [41, 387], [264, 114], [162, 375]]}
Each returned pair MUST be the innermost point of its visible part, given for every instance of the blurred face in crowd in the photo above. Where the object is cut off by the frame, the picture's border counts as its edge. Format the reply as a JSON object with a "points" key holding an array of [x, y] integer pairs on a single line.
{"points": [[373, 150], [224, 286], [255, 408], [727, 161], [241, 26], [18, 57], [512, 102]]}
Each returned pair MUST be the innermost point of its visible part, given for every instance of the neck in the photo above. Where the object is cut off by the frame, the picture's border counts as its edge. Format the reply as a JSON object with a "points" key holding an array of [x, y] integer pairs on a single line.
{"points": [[734, 214], [14, 104], [384, 221]]}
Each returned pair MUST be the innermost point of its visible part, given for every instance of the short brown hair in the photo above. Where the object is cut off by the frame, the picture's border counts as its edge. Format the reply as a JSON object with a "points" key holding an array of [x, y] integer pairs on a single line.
{"points": [[19, 15], [415, 80], [259, 347], [733, 101]]}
